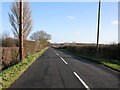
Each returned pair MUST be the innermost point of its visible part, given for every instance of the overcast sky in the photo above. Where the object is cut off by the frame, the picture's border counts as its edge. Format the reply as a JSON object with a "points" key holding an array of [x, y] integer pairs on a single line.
{"points": [[71, 21]]}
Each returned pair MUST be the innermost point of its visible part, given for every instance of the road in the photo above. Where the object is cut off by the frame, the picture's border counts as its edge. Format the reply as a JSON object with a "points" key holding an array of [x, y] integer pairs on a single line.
{"points": [[58, 69]]}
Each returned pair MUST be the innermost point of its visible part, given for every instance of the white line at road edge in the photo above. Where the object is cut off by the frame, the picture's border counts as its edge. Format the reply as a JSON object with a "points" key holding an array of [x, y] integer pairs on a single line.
{"points": [[82, 81], [64, 60]]}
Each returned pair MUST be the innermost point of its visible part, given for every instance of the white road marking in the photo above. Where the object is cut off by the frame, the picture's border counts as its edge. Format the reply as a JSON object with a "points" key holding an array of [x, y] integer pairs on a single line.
{"points": [[55, 51], [85, 85], [57, 54], [63, 60]]}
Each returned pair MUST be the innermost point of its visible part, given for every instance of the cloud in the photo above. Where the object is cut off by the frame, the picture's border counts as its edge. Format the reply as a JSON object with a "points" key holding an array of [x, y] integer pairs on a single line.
{"points": [[71, 17], [115, 22]]}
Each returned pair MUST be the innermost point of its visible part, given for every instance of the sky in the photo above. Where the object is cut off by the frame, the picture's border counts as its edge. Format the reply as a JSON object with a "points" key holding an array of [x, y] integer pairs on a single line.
{"points": [[70, 21]]}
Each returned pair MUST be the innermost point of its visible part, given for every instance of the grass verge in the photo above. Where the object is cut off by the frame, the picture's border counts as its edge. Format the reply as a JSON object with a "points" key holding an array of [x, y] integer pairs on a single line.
{"points": [[106, 62], [8, 76]]}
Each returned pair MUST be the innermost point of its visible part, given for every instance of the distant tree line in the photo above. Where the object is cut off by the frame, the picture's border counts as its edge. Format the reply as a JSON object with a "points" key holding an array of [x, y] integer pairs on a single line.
{"points": [[40, 36]]}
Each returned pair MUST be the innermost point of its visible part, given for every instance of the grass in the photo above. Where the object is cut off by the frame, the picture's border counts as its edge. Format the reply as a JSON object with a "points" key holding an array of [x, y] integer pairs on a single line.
{"points": [[8, 76], [107, 62]]}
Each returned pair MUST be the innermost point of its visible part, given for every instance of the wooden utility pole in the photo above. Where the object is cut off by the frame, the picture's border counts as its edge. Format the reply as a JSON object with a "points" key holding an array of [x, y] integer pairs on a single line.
{"points": [[98, 28], [21, 39]]}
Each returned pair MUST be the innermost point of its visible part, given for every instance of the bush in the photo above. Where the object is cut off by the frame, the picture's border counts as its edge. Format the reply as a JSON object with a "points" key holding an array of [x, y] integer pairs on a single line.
{"points": [[11, 74], [105, 51], [31, 47], [10, 55], [109, 52], [9, 42]]}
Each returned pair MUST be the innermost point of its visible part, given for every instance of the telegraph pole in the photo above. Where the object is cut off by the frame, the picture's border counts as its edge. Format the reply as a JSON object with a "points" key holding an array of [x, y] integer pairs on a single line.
{"points": [[98, 28], [21, 40]]}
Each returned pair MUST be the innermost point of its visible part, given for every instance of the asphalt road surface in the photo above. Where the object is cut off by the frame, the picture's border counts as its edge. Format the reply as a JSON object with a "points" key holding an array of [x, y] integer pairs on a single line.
{"points": [[58, 69]]}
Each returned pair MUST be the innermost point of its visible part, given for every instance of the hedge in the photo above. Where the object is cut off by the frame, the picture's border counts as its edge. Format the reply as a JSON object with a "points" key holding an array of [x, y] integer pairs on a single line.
{"points": [[9, 75], [105, 51], [10, 55]]}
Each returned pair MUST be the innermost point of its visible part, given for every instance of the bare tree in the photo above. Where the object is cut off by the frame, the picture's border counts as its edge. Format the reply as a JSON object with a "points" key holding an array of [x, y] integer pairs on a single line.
{"points": [[40, 36], [15, 20], [5, 35]]}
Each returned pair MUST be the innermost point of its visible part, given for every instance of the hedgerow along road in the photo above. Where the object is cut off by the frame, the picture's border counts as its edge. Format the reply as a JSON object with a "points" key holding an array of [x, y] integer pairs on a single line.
{"points": [[58, 69]]}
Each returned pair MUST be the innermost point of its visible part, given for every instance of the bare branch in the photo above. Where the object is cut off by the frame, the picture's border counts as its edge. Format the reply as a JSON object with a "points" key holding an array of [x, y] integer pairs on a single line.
{"points": [[40, 36], [14, 19]]}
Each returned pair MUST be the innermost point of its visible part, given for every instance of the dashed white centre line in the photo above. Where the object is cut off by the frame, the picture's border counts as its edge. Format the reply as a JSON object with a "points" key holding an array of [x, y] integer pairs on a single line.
{"points": [[85, 85], [57, 54], [63, 60]]}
